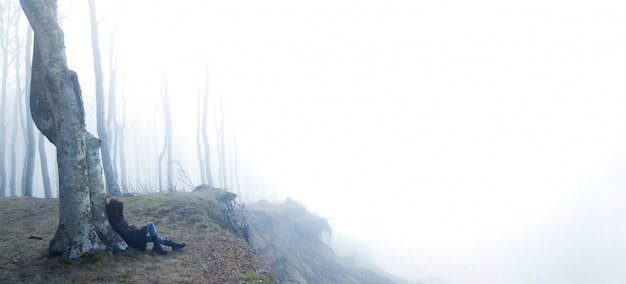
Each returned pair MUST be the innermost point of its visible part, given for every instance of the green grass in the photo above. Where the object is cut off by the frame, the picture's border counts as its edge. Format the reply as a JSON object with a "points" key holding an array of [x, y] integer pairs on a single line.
{"points": [[251, 276]]}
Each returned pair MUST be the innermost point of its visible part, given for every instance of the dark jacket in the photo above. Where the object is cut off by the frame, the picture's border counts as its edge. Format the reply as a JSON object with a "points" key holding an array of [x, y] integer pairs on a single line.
{"points": [[132, 236]]}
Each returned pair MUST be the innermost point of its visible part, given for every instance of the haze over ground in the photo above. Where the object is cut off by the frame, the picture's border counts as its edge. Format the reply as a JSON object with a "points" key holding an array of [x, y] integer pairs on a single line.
{"points": [[464, 142]]}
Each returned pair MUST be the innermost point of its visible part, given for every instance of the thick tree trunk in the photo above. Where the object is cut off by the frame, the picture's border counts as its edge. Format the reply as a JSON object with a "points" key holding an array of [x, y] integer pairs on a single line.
{"points": [[30, 125], [112, 184], [57, 110], [97, 195]]}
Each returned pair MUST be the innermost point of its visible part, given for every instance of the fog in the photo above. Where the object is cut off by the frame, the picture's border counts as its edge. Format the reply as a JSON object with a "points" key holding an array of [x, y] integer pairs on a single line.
{"points": [[446, 141]]}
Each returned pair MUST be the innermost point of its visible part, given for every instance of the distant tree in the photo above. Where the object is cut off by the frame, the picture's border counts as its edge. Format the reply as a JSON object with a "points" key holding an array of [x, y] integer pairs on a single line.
{"points": [[167, 144], [45, 175], [115, 131], [112, 184], [120, 134], [205, 135], [31, 142], [58, 112], [4, 48], [199, 145], [235, 162], [221, 144], [19, 124]]}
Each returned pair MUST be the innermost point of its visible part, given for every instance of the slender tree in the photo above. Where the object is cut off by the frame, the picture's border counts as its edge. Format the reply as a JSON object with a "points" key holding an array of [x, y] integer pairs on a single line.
{"points": [[112, 184], [221, 144], [205, 135], [121, 145], [112, 122], [167, 144], [31, 141], [27, 190], [199, 140], [45, 174], [4, 48], [58, 112], [235, 161]]}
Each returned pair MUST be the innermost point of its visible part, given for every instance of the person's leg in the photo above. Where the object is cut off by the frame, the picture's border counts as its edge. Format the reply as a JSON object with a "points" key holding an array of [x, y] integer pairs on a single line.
{"points": [[151, 229], [175, 246], [151, 236]]}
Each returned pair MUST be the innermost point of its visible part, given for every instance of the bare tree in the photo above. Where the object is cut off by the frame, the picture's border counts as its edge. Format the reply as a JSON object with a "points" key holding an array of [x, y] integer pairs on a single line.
{"points": [[167, 144], [234, 158], [205, 136], [29, 165], [31, 142], [199, 147], [112, 184], [43, 160], [120, 130], [221, 144], [58, 112], [4, 48], [112, 123]]}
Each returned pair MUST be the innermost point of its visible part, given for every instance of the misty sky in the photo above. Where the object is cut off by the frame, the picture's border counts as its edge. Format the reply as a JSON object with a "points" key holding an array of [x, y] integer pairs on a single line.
{"points": [[470, 141]]}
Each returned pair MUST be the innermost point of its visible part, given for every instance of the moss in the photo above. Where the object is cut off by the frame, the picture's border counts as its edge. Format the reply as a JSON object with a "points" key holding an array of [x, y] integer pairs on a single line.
{"points": [[252, 276], [94, 257], [125, 277], [63, 263]]}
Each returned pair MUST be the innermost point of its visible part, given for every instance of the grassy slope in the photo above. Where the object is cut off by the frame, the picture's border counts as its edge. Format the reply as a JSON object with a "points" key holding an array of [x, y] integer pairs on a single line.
{"points": [[212, 255]]}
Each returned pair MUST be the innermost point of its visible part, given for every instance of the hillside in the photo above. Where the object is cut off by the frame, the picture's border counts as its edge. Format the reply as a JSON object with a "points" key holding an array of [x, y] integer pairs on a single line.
{"points": [[284, 244]]}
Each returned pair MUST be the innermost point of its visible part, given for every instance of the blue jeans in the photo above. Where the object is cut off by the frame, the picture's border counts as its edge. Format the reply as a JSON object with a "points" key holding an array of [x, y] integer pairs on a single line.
{"points": [[152, 232]]}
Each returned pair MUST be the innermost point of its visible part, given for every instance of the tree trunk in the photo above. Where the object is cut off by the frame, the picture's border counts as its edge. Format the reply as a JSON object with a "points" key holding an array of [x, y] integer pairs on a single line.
{"points": [[222, 146], [4, 45], [167, 145], [112, 184], [112, 120], [199, 147], [235, 169], [205, 136], [43, 160], [57, 110], [29, 168]]}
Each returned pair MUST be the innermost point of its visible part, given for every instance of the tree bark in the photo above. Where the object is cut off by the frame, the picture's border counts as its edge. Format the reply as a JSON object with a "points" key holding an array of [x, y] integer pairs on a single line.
{"points": [[57, 110], [112, 184]]}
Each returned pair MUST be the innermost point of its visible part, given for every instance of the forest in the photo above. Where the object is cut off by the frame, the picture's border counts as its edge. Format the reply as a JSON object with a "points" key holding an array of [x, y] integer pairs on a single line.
{"points": [[443, 141], [134, 159]]}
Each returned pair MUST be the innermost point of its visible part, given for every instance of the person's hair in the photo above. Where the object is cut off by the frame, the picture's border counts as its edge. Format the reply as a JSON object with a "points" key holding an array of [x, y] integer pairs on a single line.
{"points": [[112, 209]]}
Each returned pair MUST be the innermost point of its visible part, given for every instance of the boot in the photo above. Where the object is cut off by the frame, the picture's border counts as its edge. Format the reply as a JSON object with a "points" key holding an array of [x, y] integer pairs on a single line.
{"points": [[157, 246], [175, 246]]}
